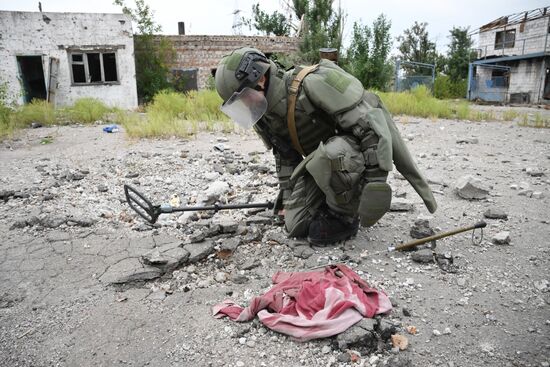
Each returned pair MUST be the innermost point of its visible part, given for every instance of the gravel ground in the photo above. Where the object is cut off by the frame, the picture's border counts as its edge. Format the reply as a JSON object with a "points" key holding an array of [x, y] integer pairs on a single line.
{"points": [[85, 282]]}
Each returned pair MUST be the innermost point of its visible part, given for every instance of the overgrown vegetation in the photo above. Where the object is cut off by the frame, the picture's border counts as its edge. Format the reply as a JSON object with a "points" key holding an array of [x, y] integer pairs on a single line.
{"points": [[367, 56], [420, 102], [318, 24], [6, 126], [152, 56], [173, 114]]}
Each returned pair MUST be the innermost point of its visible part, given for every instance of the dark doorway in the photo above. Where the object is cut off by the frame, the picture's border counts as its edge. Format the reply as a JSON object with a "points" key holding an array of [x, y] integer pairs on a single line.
{"points": [[32, 76], [546, 93]]}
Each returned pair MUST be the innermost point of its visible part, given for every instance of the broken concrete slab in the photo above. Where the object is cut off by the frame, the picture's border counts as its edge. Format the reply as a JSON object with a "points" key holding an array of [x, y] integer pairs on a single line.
{"points": [[199, 251], [129, 270]]}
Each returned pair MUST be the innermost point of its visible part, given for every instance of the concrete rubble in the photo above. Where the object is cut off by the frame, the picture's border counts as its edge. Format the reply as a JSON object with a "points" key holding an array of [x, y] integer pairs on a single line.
{"points": [[85, 281]]}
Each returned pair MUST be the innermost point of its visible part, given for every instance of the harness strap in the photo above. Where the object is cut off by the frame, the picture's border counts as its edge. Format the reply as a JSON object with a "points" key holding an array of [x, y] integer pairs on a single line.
{"points": [[293, 93]]}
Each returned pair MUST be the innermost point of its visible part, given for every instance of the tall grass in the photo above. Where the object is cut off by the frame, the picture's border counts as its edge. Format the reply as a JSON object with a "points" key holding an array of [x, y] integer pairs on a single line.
{"points": [[37, 111], [7, 127], [87, 111], [179, 115], [417, 102]]}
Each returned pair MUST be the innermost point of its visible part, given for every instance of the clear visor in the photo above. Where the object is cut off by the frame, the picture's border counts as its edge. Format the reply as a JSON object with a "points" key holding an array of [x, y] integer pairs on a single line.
{"points": [[245, 107]]}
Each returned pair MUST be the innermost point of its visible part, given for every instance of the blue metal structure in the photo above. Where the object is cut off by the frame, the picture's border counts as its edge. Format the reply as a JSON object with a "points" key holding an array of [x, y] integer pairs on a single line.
{"points": [[494, 89], [412, 81]]}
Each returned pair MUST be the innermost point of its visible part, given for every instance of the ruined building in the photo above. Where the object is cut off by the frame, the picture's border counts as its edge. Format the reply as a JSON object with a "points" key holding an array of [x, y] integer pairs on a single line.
{"points": [[61, 57], [513, 60]]}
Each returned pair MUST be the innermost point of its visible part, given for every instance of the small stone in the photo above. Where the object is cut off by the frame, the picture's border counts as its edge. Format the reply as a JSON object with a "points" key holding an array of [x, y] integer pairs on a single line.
{"points": [[537, 195], [373, 360], [220, 277], [447, 331], [400, 341], [471, 188], [502, 238], [401, 205], [534, 171], [424, 256], [436, 332], [242, 341], [526, 192], [495, 213], [251, 343], [541, 285], [467, 141], [228, 226], [240, 364], [102, 188], [343, 357], [326, 349]]}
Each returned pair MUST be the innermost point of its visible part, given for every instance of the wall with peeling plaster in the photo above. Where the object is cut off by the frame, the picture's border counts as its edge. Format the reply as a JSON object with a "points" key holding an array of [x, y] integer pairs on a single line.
{"points": [[51, 35]]}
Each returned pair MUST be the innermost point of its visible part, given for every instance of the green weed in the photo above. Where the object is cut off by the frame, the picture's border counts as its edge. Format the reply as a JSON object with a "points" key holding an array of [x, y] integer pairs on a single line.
{"points": [[418, 102], [87, 111], [37, 111], [509, 115]]}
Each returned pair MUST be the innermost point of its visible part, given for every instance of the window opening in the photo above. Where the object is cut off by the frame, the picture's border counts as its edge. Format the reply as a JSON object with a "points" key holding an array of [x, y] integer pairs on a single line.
{"points": [[94, 67]]}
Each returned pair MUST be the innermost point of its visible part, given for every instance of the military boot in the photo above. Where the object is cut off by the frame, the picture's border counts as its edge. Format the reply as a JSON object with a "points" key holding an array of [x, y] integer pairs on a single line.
{"points": [[328, 227]]}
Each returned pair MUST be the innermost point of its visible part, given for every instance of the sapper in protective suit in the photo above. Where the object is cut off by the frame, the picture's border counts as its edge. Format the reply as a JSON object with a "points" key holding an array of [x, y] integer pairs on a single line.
{"points": [[334, 143]]}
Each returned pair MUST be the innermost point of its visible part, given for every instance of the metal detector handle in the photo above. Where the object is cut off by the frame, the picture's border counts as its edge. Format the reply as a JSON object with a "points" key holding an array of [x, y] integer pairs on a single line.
{"points": [[145, 209], [438, 236]]}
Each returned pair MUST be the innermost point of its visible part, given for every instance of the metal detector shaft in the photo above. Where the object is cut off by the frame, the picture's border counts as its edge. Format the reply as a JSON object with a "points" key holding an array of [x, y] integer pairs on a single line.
{"points": [[438, 236], [145, 209]]}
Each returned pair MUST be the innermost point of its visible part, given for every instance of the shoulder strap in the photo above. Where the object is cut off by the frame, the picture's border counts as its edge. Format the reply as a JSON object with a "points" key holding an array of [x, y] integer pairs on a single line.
{"points": [[293, 93]]}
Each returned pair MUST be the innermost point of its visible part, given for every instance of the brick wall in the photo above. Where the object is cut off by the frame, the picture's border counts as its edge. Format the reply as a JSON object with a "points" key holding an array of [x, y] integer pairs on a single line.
{"points": [[204, 52]]}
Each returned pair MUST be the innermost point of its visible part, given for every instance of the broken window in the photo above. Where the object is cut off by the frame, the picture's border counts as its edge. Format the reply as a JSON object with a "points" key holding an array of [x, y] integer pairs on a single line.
{"points": [[500, 78], [505, 39], [93, 67]]}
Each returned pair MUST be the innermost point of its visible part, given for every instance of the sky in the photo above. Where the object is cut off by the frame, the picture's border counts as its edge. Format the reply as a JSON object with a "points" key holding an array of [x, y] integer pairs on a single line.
{"points": [[216, 17]]}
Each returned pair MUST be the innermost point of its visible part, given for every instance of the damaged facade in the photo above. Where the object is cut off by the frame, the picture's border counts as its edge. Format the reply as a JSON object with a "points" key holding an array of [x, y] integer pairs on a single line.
{"points": [[513, 60], [197, 56], [61, 57]]}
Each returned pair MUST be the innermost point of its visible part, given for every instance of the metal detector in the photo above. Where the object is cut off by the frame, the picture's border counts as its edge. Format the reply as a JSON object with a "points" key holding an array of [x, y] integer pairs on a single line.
{"points": [[141, 205]]}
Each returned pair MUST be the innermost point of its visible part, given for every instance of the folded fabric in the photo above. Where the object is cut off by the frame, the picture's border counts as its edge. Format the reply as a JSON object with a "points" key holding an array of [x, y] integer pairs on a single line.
{"points": [[311, 305]]}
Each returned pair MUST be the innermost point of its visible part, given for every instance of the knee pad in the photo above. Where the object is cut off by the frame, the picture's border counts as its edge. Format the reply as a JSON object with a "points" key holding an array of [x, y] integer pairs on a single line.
{"points": [[337, 168]]}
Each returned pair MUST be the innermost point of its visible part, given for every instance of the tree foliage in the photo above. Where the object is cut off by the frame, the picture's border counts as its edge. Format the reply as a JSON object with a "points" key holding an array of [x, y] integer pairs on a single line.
{"points": [[322, 26], [459, 53], [317, 23], [367, 56], [415, 46], [276, 23], [152, 57]]}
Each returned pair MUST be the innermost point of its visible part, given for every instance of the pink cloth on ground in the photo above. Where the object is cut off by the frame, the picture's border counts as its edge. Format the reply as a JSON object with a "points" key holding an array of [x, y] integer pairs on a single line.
{"points": [[311, 305]]}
